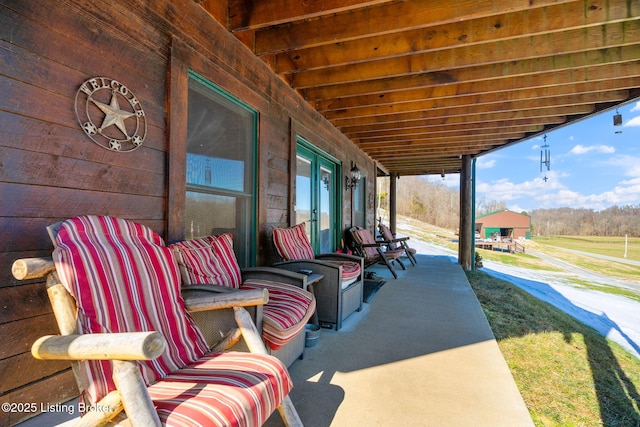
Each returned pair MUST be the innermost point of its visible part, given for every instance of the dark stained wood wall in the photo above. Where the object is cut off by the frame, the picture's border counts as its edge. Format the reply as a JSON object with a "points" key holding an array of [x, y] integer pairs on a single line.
{"points": [[50, 171]]}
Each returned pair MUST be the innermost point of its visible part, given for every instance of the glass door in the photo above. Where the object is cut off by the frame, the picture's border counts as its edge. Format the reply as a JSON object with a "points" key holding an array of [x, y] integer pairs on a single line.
{"points": [[316, 197]]}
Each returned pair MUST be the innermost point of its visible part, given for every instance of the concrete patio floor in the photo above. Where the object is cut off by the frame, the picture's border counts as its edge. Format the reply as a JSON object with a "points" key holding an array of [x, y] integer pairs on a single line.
{"points": [[421, 353]]}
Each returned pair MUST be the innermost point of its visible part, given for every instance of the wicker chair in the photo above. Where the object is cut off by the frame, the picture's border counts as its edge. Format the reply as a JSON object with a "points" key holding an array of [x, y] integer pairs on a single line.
{"points": [[211, 261], [136, 352], [339, 293], [375, 251]]}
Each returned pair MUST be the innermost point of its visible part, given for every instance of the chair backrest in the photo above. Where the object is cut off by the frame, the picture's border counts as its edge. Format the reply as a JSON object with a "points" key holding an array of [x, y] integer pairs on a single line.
{"points": [[209, 260], [124, 279], [385, 232], [362, 236], [292, 243]]}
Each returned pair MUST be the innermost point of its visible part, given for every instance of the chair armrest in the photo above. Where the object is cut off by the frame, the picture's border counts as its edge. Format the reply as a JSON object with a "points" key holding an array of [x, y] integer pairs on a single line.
{"points": [[275, 274], [209, 297], [32, 268], [317, 266], [394, 240], [371, 245], [114, 346], [339, 257]]}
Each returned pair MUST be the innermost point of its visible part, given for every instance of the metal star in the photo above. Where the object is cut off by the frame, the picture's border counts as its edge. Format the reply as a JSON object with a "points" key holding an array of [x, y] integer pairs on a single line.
{"points": [[113, 114]]}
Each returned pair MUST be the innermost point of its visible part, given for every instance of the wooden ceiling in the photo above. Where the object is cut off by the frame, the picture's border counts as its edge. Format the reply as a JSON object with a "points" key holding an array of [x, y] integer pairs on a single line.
{"points": [[417, 84]]}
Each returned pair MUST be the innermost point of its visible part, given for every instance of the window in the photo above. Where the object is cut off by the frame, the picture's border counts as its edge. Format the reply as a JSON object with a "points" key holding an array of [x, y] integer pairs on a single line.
{"points": [[360, 203], [220, 167]]}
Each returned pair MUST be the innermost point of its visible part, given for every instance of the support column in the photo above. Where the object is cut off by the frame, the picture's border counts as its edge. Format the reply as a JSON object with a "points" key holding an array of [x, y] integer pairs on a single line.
{"points": [[466, 239], [393, 202]]}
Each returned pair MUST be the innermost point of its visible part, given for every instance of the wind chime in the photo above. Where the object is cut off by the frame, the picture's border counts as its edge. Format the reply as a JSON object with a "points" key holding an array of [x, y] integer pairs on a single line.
{"points": [[617, 121], [545, 158]]}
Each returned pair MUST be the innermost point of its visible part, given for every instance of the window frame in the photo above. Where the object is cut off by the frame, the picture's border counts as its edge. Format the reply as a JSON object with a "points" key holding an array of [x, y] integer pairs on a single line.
{"points": [[186, 62]]}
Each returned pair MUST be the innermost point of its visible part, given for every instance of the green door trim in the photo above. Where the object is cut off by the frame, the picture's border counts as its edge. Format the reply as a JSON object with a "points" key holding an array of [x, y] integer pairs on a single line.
{"points": [[319, 159]]}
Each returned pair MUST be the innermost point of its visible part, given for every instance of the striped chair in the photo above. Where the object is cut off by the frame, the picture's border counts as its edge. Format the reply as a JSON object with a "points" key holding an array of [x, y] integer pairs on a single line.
{"points": [[339, 293], [126, 285], [211, 260]]}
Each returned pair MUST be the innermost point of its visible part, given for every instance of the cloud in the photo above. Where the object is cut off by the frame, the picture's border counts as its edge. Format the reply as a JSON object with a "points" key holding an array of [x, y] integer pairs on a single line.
{"points": [[485, 164], [636, 107], [505, 190], [581, 149], [553, 193], [624, 193], [629, 165], [633, 122]]}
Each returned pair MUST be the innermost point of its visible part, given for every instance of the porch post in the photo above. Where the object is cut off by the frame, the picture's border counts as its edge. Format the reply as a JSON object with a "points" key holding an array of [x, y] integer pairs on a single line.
{"points": [[466, 239], [393, 205]]}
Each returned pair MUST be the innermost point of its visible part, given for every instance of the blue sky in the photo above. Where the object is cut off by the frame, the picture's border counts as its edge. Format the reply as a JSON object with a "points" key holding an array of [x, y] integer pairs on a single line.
{"points": [[591, 167]]}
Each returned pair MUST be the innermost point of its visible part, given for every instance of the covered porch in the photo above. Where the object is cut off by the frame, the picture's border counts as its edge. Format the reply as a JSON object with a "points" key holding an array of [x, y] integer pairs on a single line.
{"points": [[420, 353]]}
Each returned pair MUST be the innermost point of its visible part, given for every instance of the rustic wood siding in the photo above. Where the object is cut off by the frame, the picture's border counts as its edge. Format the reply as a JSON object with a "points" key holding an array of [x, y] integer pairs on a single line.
{"points": [[50, 171]]}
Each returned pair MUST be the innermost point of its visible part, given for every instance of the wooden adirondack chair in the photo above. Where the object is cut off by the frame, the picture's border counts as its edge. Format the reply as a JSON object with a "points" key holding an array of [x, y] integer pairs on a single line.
{"points": [[375, 251], [395, 242], [136, 352]]}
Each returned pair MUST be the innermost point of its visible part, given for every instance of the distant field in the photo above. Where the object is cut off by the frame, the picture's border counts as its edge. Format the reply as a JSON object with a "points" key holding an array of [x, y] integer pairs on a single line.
{"points": [[610, 246]]}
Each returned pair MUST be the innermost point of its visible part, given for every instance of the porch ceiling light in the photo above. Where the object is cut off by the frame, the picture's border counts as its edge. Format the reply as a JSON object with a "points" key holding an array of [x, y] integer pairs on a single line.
{"points": [[354, 176]]}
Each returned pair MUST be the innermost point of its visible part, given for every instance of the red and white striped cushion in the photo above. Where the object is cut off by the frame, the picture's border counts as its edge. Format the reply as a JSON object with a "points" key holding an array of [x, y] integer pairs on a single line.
{"points": [[350, 271], [124, 280], [287, 312], [292, 243], [228, 389], [210, 260]]}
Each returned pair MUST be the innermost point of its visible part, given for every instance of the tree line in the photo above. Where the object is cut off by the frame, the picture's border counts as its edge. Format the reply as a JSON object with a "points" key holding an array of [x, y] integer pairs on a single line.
{"points": [[437, 204]]}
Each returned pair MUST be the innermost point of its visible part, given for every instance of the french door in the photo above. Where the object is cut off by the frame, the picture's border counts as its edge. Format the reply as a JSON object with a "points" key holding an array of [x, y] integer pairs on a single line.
{"points": [[317, 201]]}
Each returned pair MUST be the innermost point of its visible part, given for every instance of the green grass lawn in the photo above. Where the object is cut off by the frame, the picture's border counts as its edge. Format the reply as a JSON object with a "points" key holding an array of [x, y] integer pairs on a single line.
{"points": [[568, 374], [603, 245]]}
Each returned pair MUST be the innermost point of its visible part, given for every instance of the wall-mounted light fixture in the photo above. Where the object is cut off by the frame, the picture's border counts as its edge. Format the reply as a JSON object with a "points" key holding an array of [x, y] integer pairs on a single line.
{"points": [[354, 176]]}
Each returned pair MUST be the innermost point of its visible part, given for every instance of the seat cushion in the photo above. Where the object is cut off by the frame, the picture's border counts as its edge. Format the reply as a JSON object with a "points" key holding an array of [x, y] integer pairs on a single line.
{"points": [[219, 387], [208, 261], [350, 271], [124, 279], [287, 312], [292, 243], [393, 253]]}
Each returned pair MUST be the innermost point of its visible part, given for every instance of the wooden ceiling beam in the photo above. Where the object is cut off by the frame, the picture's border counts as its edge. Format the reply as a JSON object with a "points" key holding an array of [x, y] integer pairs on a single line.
{"points": [[442, 143], [476, 79], [362, 133], [588, 42], [397, 111], [244, 15], [573, 110], [429, 154], [555, 18], [384, 19], [452, 133], [485, 92], [613, 90]]}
